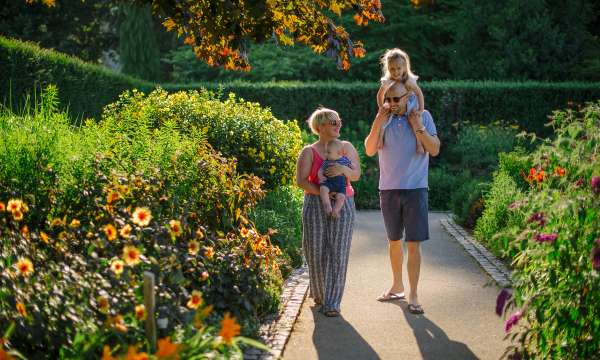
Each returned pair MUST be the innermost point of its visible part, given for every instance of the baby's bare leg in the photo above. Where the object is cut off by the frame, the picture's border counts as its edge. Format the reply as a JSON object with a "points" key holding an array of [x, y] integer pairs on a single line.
{"points": [[324, 194], [339, 203]]}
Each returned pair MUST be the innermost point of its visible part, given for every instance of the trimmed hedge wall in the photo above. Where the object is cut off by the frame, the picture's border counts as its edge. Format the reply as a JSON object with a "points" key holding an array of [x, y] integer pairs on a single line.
{"points": [[87, 88]]}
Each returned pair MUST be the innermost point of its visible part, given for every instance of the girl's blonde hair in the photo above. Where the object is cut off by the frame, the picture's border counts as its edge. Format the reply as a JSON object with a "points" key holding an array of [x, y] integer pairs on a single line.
{"points": [[320, 117], [397, 54]]}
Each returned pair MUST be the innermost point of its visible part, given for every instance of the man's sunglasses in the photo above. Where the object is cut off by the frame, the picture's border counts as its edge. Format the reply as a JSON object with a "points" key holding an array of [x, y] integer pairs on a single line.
{"points": [[395, 98]]}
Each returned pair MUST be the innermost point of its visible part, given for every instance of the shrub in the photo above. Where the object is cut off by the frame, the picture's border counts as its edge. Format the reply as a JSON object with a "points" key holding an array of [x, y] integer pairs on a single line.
{"points": [[69, 199], [554, 236], [261, 144], [466, 201]]}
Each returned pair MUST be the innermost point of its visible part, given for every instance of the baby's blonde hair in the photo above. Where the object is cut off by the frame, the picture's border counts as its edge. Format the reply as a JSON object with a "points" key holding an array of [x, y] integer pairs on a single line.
{"points": [[397, 54], [320, 117]]}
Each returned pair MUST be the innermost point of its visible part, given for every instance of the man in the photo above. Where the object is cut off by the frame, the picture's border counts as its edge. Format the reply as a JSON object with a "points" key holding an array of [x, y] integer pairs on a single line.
{"points": [[403, 184]]}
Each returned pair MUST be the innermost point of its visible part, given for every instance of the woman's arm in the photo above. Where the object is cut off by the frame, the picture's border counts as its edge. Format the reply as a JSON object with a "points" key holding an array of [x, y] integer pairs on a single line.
{"points": [[353, 172], [303, 166]]}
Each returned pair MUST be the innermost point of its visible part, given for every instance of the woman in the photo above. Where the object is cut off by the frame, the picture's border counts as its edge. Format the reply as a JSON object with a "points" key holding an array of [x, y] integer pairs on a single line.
{"points": [[326, 240]]}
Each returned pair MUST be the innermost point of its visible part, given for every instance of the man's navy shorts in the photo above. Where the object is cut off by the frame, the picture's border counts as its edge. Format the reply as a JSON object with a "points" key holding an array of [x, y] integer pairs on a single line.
{"points": [[405, 210]]}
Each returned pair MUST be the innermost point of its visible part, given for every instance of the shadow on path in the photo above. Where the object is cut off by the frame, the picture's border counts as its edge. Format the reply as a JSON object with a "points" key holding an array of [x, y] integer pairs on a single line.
{"points": [[432, 340], [335, 338]]}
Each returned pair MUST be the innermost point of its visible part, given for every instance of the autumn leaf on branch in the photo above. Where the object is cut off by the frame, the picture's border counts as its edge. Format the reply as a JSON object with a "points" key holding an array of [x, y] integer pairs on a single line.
{"points": [[219, 32]]}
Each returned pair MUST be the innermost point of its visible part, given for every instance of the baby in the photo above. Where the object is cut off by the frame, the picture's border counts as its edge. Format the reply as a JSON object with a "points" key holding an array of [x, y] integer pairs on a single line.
{"points": [[334, 184]]}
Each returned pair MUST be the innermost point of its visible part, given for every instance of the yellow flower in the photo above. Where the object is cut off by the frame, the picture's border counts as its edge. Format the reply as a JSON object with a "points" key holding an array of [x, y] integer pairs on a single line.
{"points": [[49, 3], [117, 266], [209, 252], [25, 266], [25, 231], [110, 231], [169, 24], [140, 312], [167, 349], [57, 222], [44, 237], [195, 300], [117, 323], [229, 328], [21, 309], [103, 304], [200, 234], [131, 255], [2, 206], [244, 232], [63, 235], [141, 216], [112, 197], [193, 247], [175, 227], [125, 231], [17, 215], [14, 205], [75, 223]]}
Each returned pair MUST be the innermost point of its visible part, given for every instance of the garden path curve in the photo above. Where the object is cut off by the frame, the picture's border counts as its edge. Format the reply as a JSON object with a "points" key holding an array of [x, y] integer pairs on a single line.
{"points": [[457, 295]]}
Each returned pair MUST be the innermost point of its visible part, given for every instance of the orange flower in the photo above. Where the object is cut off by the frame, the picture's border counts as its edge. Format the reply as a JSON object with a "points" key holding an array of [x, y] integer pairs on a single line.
{"points": [[559, 171], [133, 354], [111, 232], [140, 312], [141, 216], [169, 24], [106, 354], [200, 234], [15, 205], [358, 52], [195, 300], [2, 206], [103, 304], [244, 232], [17, 215], [117, 266], [193, 247], [175, 227], [229, 328], [25, 266], [167, 349], [4, 355], [209, 252], [131, 255], [63, 235], [75, 223], [540, 176], [57, 222], [25, 231], [21, 309], [117, 323], [125, 231], [112, 197], [44, 237]]}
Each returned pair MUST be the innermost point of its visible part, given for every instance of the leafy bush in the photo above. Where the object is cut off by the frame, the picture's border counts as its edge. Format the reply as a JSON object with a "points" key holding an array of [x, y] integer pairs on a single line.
{"points": [[553, 236], [261, 144], [466, 201], [74, 247]]}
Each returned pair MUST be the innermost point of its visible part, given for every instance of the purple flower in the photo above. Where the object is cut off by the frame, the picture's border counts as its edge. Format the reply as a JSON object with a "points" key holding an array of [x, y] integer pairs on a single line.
{"points": [[515, 356], [542, 238], [501, 301], [596, 258], [596, 184], [539, 217], [512, 320]]}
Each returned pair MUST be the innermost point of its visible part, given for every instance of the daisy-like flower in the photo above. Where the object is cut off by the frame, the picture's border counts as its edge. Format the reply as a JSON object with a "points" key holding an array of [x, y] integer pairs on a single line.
{"points": [[103, 304], [229, 328], [117, 266], [141, 216], [501, 301], [209, 252], [125, 231], [131, 255], [15, 205], [75, 223], [44, 237], [195, 300], [21, 309], [25, 266], [112, 197], [175, 227], [193, 247], [167, 349], [512, 320], [140, 312], [111, 232], [17, 215]]}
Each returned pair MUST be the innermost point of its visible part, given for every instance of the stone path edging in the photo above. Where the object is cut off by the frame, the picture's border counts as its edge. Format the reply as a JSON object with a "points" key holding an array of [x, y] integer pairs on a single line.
{"points": [[492, 265], [276, 330]]}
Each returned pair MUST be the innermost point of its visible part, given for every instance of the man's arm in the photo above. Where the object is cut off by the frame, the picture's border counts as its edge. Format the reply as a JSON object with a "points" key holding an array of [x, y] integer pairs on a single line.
{"points": [[373, 138]]}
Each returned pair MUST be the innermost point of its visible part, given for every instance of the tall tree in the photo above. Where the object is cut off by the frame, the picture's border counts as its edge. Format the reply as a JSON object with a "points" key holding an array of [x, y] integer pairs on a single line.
{"points": [[138, 48]]}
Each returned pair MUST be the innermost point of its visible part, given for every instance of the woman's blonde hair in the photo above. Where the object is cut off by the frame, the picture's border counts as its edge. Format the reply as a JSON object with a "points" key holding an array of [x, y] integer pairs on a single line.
{"points": [[320, 117], [397, 54]]}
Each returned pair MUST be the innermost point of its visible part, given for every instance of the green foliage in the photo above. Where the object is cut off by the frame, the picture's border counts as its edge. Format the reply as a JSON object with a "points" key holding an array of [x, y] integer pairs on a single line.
{"points": [[553, 241], [138, 48], [466, 201], [75, 192]]}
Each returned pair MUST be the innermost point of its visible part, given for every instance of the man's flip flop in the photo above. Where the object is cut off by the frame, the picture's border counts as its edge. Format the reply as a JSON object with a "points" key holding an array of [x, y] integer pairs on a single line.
{"points": [[415, 309], [391, 296]]}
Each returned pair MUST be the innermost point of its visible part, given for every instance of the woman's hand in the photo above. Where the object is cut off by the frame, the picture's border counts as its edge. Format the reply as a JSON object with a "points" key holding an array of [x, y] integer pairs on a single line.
{"points": [[335, 170]]}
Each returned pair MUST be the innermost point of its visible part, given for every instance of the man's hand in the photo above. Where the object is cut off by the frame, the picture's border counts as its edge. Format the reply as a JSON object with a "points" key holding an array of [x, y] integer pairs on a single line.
{"points": [[416, 120]]}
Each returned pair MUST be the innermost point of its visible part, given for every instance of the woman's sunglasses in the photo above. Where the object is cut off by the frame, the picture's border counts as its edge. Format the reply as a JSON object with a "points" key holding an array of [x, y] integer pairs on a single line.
{"points": [[335, 122], [395, 98]]}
